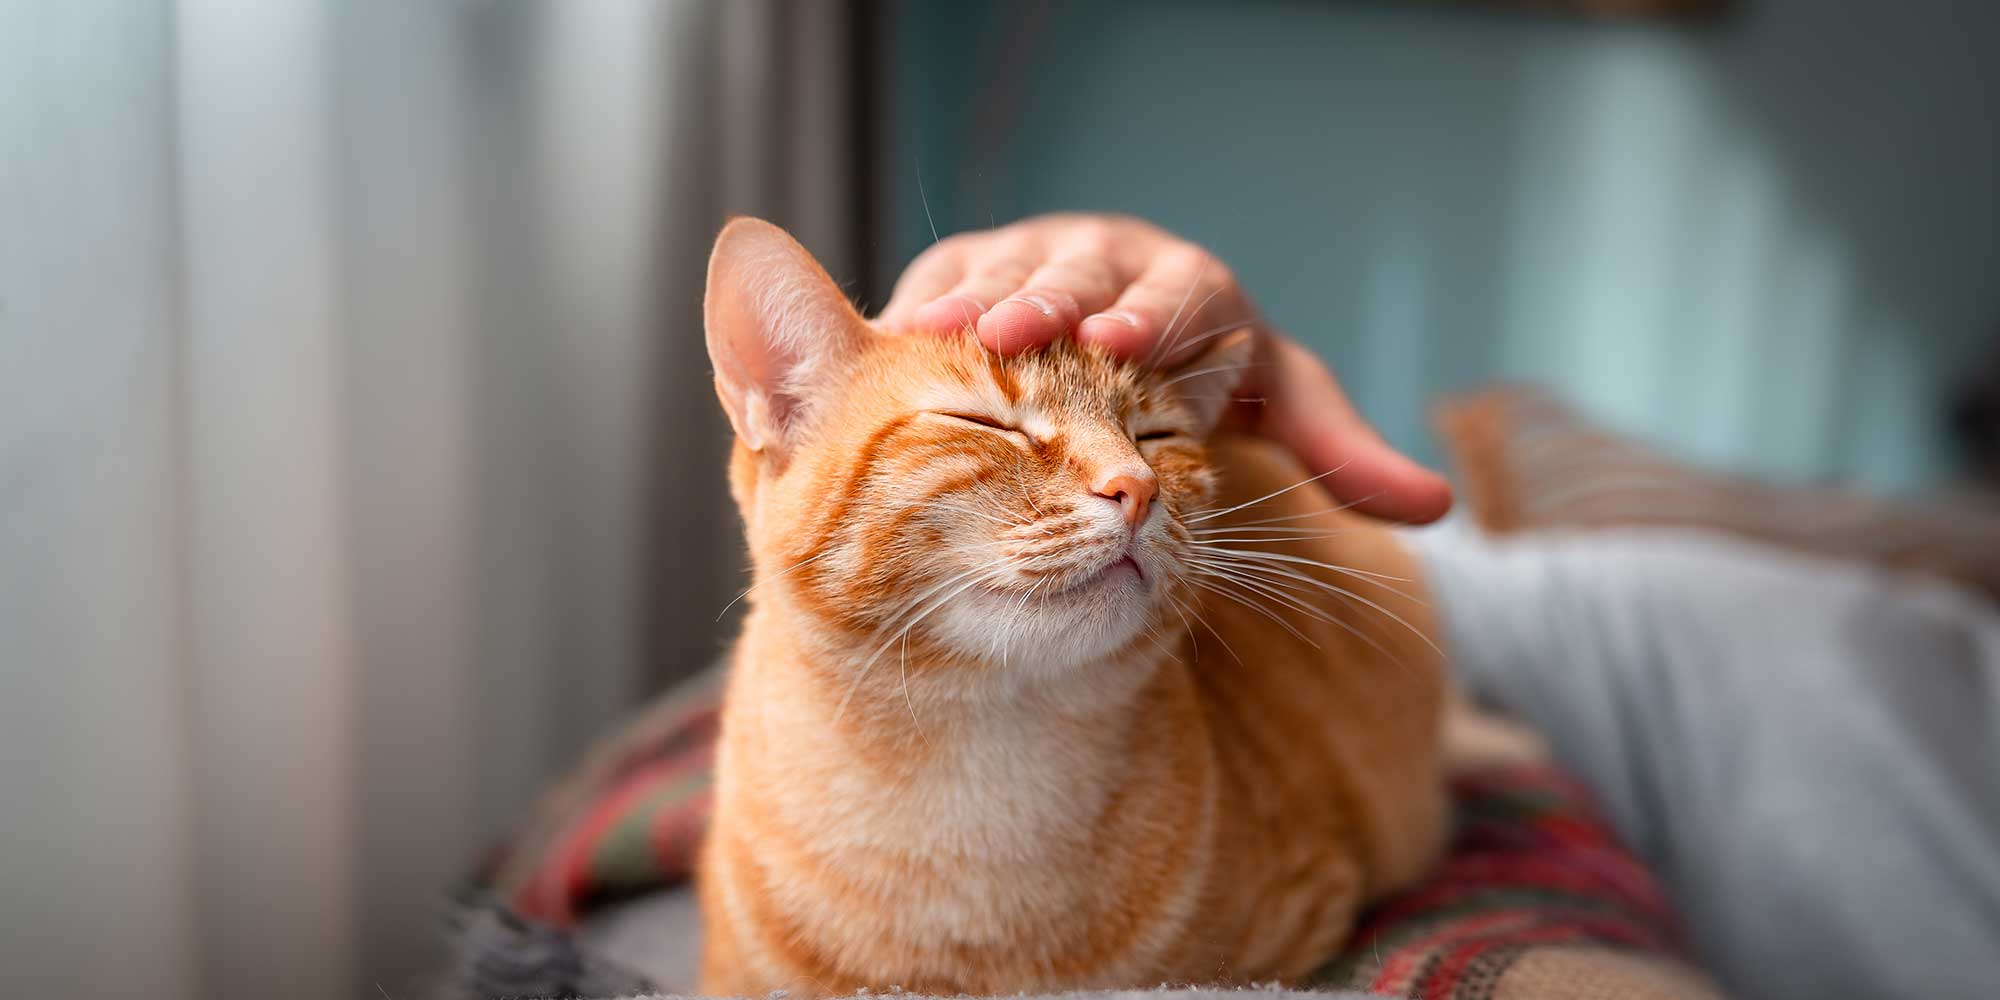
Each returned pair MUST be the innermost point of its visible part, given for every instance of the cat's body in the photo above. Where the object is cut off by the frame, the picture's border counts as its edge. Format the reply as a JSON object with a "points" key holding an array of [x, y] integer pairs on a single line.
{"points": [[936, 775]]}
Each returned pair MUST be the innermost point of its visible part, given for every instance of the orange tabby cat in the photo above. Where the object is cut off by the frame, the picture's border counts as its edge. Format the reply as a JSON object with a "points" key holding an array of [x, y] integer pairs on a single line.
{"points": [[1040, 689]]}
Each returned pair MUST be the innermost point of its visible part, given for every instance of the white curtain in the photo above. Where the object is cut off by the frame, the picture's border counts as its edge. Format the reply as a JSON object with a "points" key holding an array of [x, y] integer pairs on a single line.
{"points": [[357, 455]]}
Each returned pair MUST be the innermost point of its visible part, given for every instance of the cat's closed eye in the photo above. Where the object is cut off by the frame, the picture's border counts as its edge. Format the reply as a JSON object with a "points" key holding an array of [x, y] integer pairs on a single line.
{"points": [[1158, 435], [977, 418]]}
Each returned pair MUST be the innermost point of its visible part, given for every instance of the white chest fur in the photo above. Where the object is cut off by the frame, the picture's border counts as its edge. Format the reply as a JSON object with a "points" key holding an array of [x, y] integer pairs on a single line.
{"points": [[986, 832]]}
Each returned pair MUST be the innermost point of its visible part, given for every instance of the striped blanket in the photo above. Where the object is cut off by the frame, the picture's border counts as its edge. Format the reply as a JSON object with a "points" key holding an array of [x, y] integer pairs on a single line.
{"points": [[1536, 897]]}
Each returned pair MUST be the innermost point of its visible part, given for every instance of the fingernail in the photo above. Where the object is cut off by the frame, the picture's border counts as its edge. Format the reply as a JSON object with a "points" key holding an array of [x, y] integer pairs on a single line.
{"points": [[1119, 316], [1033, 302]]}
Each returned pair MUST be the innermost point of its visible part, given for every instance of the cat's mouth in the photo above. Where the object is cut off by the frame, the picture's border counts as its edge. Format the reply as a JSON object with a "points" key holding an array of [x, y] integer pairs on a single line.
{"points": [[1113, 572], [1096, 606], [1124, 574]]}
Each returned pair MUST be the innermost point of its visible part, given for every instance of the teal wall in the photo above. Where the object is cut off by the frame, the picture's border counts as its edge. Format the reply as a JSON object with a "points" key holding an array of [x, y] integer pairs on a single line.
{"points": [[1768, 243]]}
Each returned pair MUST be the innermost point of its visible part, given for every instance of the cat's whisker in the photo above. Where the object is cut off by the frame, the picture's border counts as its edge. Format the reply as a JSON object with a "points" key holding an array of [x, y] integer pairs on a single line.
{"points": [[1223, 330], [1004, 516], [1020, 519], [982, 573], [772, 578], [1196, 613], [1211, 370], [1030, 592], [1216, 588], [907, 700], [1235, 526], [1152, 633], [889, 621], [1286, 557], [1168, 596], [1287, 537], [1297, 604], [1267, 535], [1025, 495], [1282, 518], [926, 199], [1253, 566], [1224, 396], [1275, 591], [1199, 272], [1007, 636], [1268, 496], [1275, 574], [977, 577], [1166, 352], [975, 503], [969, 512]]}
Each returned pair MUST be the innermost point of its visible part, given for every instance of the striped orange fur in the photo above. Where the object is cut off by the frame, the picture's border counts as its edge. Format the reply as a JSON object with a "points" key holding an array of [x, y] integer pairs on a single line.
{"points": [[1011, 710]]}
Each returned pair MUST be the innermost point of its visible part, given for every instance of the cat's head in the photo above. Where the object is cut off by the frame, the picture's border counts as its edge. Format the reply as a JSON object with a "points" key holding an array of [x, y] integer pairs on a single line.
{"points": [[1029, 511]]}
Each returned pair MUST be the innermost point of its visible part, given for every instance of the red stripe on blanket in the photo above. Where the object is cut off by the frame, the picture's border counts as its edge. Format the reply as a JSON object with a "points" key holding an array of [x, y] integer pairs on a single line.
{"points": [[1531, 864]]}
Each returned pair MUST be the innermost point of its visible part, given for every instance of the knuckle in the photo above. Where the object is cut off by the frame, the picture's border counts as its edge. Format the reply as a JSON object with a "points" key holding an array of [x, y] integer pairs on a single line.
{"points": [[936, 257], [1005, 270], [1131, 224], [1180, 255], [1085, 271], [1064, 220], [1093, 233], [1219, 274]]}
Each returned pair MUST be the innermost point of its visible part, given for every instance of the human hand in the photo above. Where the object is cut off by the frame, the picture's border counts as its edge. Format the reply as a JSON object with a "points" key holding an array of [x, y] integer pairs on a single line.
{"points": [[1144, 293]]}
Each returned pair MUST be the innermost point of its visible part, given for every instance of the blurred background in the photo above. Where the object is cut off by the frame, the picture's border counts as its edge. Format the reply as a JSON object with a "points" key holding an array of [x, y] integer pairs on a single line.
{"points": [[358, 460]]}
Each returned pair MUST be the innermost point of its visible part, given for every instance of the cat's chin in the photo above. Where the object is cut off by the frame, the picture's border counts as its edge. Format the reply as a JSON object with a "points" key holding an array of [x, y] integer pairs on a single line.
{"points": [[1092, 619]]}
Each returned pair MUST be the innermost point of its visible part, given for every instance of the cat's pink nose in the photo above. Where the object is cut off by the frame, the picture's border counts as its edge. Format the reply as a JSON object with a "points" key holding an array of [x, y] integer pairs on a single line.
{"points": [[1132, 492]]}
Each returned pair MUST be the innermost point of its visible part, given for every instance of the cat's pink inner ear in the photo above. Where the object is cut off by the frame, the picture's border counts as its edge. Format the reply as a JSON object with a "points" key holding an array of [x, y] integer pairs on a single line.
{"points": [[775, 322], [1209, 381]]}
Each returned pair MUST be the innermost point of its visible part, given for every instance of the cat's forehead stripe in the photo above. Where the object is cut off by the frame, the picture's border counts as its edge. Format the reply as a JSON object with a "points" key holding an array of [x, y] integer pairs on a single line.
{"points": [[1003, 378], [1068, 380]]}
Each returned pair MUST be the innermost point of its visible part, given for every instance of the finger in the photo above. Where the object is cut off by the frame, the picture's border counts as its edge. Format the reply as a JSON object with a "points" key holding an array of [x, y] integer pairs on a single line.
{"points": [[1005, 266], [1305, 410], [1153, 317], [932, 274], [1217, 308], [1053, 300]]}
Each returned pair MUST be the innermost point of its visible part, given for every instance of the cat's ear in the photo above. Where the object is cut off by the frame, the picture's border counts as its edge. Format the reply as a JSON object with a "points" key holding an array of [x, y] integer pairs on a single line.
{"points": [[1209, 381], [775, 322]]}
